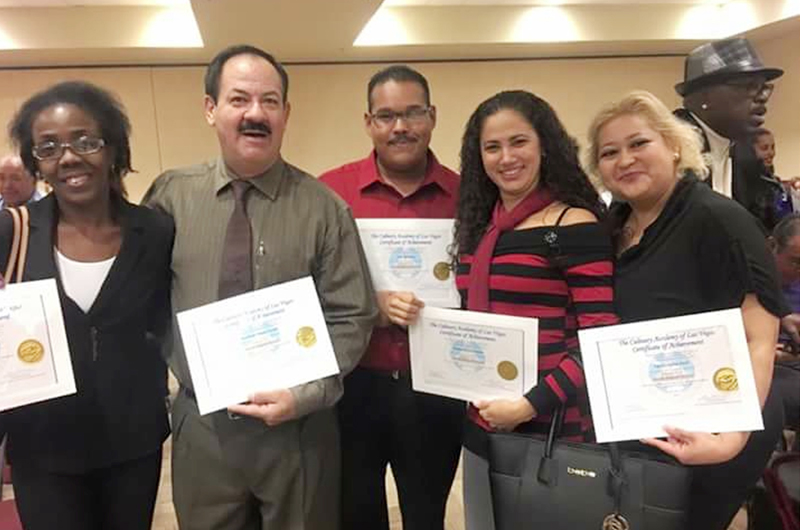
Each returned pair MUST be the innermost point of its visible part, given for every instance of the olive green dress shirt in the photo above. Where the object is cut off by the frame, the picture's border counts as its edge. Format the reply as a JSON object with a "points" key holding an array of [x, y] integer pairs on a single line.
{"points": [[299, 228]]}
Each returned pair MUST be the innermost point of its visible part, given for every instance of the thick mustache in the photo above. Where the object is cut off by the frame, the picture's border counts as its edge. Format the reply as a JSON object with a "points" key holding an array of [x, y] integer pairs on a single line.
{"points": [[402, 138], [254, 126]]}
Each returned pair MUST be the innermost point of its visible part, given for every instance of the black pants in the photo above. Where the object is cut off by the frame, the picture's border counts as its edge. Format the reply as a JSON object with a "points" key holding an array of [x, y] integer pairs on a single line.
{"points": [[383, 421], [718, 491], [121, 497]]}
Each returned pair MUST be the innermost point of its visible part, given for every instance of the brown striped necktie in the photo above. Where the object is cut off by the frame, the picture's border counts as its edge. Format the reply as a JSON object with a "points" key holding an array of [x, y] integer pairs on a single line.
{"points": [[236, 272]]}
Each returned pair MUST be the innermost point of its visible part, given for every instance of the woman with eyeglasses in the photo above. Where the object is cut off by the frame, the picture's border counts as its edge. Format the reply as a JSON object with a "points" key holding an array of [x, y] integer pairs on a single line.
{"points": [[92, 460]]}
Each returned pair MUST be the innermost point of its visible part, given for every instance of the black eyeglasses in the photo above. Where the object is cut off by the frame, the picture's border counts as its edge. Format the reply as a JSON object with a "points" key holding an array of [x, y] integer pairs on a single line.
{"points": [[50, 150], [752, 87], [412, 116]]}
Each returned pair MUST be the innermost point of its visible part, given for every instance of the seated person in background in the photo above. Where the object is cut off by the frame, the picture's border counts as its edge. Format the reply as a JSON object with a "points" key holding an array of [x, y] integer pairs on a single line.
{"points": [[764, 145], [682, 249], [17, 185], [785, 244], [788, 200]]}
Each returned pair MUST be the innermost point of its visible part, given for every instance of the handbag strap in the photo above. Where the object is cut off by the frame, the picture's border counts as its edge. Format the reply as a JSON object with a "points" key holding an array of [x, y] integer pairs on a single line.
{"points": [[14, 253], [617, 480], [23, 244], [547, 472], [19, 244]]}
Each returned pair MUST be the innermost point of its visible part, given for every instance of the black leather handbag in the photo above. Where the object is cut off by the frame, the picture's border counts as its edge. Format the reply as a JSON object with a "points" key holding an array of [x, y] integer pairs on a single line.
{"points": [[542, 483]]}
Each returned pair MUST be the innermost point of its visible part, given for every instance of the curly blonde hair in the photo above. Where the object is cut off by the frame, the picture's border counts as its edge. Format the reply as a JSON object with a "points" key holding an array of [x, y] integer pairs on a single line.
{"points": [[678, 135]]}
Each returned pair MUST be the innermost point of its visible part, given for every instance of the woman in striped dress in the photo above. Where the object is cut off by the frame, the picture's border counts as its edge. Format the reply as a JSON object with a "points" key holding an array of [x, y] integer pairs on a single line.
{"points": [[528, 243]]}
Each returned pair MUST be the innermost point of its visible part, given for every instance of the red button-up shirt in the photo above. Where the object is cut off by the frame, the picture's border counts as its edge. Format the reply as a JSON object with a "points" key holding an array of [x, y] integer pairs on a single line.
{"points": [[361, 186]]}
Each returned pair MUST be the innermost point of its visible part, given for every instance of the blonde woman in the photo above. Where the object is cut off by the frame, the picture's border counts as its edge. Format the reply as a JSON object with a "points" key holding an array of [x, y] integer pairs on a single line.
{"points": [[683, 248]]}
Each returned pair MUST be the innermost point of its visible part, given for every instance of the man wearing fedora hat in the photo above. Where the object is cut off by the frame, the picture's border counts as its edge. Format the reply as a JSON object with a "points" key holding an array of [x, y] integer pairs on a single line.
{"points": [[725, 92]]}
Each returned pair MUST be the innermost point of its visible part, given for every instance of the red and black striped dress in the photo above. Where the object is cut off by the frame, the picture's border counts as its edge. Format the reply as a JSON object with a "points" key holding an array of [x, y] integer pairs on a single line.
{"points": [[562, 275]]}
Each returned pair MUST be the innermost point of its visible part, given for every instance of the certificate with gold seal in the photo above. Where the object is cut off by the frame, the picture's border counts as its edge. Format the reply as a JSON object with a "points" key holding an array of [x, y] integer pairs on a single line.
{"points": [[692, 372], [35, 363], [272, 338], [411, 255], [471, 355]]}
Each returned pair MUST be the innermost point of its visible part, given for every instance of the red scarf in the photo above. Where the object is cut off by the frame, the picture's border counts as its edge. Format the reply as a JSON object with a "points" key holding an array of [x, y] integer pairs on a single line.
{"points": [[502, 221]]}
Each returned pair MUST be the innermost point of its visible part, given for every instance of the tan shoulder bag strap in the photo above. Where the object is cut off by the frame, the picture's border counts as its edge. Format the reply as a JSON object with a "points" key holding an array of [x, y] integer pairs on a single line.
{"points": [[14, 254], [23, 244], [19, 245]]}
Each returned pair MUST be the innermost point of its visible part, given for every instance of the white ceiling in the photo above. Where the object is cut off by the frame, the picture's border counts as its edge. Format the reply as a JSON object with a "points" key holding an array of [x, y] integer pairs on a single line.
{"points": [[543, 2], [44, 33], [74, 3]]}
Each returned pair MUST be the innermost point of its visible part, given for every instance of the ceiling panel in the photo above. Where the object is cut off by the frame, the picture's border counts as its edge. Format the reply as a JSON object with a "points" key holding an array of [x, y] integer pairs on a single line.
{"points": [[543, 2], [76, 3], [47, 33]]}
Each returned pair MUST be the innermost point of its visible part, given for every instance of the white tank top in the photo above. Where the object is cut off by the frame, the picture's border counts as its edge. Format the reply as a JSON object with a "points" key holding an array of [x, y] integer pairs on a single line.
{"points": [[82, 280]]}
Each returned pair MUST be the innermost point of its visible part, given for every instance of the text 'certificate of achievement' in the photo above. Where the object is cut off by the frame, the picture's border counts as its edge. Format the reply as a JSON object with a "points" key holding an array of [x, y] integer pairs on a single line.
{"points": [[35, 364], [471, 355], [692, 372], [268, 339], [411, 255]]}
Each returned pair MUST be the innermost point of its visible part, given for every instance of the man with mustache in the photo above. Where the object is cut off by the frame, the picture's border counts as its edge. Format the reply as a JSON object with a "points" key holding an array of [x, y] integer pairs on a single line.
{"points": [[245, 221], [382, 420], [725, 92]]}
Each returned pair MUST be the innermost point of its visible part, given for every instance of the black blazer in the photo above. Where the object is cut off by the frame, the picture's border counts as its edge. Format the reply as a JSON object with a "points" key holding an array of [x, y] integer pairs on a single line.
{"points": [[118, 412], [751, 187]]}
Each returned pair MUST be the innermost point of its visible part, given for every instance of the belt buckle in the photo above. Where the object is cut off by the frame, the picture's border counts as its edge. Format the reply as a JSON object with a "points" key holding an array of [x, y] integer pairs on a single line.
{"points": [[233, 416]]}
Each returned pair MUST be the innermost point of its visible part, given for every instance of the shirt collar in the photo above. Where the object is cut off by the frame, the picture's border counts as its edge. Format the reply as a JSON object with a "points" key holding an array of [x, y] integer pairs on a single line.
{"points": [[267, 183], [719, 146], [433, 175]]}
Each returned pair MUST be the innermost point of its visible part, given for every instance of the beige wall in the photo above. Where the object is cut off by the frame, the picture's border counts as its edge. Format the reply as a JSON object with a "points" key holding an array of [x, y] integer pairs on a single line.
{"points": [[784, 106], [328, 102]]}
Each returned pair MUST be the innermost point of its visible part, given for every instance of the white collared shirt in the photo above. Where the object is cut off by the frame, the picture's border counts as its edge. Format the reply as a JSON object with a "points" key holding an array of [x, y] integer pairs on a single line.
{"points": [[719, 160]]}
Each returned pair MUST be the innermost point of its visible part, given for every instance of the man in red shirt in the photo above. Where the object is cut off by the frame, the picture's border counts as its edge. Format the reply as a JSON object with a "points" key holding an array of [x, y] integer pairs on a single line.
{"points": [[382, 420]]}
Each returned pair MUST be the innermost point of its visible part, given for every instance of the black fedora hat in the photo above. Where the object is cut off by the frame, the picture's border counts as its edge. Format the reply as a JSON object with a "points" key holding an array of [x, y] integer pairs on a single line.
{"points": [[721, 59]]}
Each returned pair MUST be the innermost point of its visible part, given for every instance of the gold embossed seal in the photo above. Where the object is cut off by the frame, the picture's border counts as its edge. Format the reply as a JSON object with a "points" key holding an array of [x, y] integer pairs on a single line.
{"points": [[725, 380], [442, 271], [507, 370], [306, 337], [30, 351]]}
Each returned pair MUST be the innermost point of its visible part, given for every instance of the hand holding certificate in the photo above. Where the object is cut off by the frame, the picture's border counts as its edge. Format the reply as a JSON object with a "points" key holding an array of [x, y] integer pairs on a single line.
{"points": [[270, 339], [35, 363], [473, 356], [692, 372], [411, 255]]}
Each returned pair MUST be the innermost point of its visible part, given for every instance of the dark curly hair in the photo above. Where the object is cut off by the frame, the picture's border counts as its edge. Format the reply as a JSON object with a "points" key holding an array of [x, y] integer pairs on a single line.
{"points": [[560, 169], [100, 104]]}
